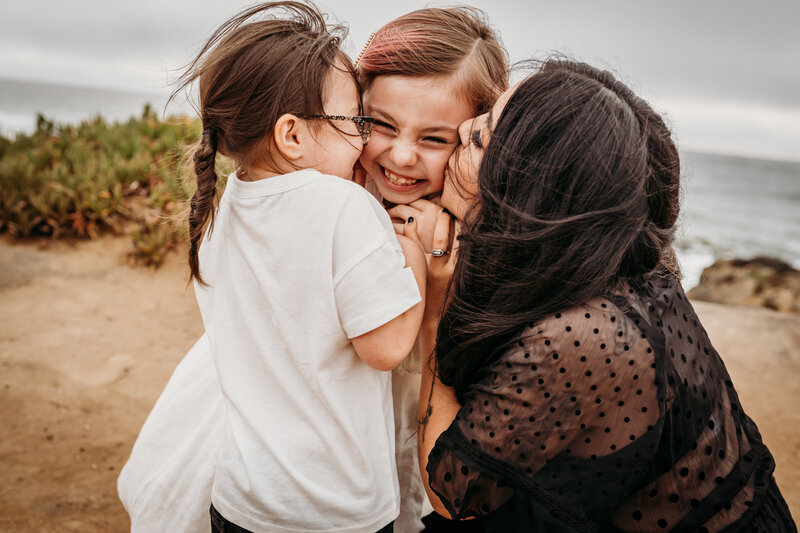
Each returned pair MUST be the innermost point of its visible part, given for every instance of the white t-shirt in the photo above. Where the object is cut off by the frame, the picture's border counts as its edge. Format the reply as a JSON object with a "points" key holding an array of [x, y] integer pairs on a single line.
{"points": [[297, 265]]}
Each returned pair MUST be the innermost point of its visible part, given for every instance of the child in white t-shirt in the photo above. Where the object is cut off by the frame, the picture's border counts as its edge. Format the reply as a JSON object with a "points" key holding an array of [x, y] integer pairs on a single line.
{"points": [[307, 296]]}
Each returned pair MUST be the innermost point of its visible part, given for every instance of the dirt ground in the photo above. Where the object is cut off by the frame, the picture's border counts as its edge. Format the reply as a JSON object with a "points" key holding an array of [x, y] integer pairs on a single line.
{"points": [[87, 342]]}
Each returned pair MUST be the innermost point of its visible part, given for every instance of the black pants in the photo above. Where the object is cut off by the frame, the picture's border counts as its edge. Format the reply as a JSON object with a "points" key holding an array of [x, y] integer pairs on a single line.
{"points": [[219, 524]]}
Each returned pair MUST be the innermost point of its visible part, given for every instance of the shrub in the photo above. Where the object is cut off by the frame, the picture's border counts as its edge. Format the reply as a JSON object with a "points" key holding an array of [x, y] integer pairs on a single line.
{"points": [[95, 177]]}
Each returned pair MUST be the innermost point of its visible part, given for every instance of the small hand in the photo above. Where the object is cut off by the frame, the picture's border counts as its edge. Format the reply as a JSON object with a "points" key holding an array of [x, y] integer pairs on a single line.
{"points": [[424, 213], [413, 251]]}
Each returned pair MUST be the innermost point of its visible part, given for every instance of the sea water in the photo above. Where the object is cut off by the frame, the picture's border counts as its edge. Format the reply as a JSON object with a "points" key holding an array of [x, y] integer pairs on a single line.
{"points": [[730, 206], [736, 207]]}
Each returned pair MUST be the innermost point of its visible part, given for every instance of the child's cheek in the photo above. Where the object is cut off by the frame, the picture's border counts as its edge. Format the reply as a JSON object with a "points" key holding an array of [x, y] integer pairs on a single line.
{"points": [[370, 153], [436, 166]]}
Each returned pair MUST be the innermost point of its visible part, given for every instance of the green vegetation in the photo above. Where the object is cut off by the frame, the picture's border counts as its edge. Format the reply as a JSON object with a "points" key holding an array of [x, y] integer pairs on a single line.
{"points": [[97, 177]]}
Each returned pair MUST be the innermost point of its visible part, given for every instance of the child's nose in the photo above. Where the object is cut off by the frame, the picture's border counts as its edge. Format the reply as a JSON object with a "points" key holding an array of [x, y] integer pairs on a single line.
{"points": [[404, 154]]}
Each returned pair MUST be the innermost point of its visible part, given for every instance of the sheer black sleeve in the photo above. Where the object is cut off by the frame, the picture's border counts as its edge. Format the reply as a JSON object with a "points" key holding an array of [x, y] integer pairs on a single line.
{"points": [[578, 385]]}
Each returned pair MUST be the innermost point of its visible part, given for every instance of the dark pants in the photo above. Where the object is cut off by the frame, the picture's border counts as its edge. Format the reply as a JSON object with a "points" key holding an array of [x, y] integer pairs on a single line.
{"points": [[219, 524]]}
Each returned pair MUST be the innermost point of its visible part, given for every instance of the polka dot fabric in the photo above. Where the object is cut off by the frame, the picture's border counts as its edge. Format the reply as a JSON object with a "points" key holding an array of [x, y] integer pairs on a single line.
{"points": [[616, 414]]}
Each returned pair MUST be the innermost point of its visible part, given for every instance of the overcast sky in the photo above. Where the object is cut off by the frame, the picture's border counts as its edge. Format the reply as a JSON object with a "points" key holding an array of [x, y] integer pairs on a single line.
{"points": [[726, 73]]}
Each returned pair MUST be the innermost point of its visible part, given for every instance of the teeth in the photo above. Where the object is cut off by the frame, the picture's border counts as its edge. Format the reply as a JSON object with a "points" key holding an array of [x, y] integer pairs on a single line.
{"points": [[399, 180]]}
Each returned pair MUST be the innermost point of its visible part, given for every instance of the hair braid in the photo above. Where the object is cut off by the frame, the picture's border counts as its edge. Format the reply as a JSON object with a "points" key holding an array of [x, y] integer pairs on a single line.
{"points": [[202, 203]]}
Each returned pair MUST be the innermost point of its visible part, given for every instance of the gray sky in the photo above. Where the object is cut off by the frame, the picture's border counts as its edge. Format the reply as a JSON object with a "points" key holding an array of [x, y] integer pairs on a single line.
{"points": [[726, 73]]}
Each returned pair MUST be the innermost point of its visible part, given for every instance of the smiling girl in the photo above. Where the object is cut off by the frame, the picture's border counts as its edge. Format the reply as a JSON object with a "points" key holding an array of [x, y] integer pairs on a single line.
{"points": [[423, 74]]}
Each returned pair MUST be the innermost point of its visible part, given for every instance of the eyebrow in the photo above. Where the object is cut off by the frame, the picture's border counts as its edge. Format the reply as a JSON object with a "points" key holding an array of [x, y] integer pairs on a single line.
{"points": [[439, 128], [379, 111]]}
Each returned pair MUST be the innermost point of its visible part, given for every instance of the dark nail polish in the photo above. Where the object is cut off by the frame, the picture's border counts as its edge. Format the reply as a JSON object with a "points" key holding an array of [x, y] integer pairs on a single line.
{"points": [[410, 220]]}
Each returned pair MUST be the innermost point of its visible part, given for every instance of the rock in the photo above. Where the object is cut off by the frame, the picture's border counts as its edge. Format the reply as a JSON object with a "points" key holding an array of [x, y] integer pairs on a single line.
{"points": [[759, 282]]}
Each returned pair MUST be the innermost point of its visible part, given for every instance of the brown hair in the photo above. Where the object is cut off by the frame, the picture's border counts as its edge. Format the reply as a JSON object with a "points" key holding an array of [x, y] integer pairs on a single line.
{"points": [[249, 73], [455, 41]]}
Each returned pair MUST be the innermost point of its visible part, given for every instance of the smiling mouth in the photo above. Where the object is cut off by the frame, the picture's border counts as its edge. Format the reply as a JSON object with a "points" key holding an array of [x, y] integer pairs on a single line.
{"points": [[400, 181]]}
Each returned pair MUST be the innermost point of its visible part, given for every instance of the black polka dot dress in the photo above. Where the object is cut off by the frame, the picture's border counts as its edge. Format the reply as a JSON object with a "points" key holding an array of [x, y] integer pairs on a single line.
{"points": [[617, 415]]}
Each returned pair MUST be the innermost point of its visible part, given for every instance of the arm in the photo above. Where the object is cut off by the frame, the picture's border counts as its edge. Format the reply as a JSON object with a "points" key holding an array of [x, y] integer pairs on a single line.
{"points": [[438, 407], [438, 404], [385, 347]]}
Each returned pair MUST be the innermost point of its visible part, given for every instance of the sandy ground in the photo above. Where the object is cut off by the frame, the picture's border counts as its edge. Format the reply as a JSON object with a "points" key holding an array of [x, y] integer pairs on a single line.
{"points": [[88, 342]]}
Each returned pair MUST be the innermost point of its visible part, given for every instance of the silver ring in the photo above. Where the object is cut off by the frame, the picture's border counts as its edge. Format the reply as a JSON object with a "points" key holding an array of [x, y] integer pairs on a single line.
{"points": [[436, 252]]}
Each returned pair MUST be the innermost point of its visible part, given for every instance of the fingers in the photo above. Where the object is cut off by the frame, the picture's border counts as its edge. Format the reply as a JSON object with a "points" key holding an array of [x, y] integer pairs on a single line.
{"points": [[441, 231], [440, 268], [422, 204], [410, 231], [455, 245], [403, 212]]}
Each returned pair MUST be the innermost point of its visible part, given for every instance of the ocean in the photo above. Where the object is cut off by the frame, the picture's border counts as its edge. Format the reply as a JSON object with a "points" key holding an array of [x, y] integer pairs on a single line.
{"points": [[736, 207], [730, 206]]}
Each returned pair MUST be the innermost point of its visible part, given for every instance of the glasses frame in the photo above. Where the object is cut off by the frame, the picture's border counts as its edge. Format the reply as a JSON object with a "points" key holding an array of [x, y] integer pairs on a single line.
{"points": [[363, 123]]}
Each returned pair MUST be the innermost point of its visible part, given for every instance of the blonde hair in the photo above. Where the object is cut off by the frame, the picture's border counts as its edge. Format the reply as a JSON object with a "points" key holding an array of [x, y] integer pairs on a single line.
{"points": [[455, 41]]}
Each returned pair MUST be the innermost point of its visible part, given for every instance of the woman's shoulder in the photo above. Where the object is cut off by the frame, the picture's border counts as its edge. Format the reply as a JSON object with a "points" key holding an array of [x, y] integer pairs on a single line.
{"points": [[600, 335], [626, 302], [578, 323]]}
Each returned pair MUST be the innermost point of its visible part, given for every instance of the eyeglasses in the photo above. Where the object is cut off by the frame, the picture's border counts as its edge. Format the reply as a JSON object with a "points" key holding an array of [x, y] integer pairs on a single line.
{"points": [[364, 124]]}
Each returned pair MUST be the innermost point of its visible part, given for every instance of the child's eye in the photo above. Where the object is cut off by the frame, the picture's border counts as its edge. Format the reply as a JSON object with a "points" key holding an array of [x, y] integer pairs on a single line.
{"points": [[437, 140], [475, 138], [384, 125]]}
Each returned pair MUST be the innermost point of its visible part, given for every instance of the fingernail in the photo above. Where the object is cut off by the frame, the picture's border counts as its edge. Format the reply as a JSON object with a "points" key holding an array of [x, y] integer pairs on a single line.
{"points": [[445, 210], [410, 220]]}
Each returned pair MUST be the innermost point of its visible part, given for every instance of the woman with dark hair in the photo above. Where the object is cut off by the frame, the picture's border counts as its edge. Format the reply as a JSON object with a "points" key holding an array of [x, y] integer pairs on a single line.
{"points": [[572, 387]]}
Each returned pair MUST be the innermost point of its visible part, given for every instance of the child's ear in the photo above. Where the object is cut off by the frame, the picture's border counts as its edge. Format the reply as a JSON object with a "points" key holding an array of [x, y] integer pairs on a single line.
{"points": [[289, 135]]}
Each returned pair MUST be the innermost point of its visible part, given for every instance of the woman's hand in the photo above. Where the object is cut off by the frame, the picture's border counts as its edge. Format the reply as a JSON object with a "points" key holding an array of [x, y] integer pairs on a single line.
{"points": [[439, 269], [424, 213]]}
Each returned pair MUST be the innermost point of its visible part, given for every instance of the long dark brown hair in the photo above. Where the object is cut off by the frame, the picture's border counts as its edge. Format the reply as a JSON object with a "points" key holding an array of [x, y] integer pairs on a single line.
{"points": [[249, 73], [578, 189]]}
